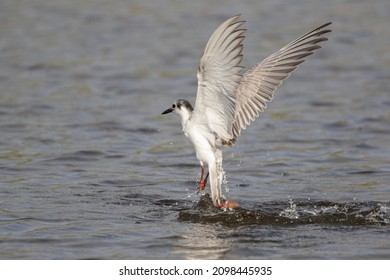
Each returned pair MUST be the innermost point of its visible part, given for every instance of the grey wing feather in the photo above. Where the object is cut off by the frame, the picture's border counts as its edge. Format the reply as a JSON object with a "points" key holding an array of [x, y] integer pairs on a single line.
{"points": [[218, 77], [258, 85]]}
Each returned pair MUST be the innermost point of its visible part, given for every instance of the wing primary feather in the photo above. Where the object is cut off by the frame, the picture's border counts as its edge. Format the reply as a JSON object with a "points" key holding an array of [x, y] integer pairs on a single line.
{"points": [[218, 75]]}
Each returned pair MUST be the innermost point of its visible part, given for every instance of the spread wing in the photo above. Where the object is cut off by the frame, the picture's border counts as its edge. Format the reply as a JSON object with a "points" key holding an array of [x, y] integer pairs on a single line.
{"points": [[218, 77], [258, 85]]}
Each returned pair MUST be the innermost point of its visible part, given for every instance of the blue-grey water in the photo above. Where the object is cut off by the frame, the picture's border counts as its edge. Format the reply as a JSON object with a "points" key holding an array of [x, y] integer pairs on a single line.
{"points": [[89, 169]]}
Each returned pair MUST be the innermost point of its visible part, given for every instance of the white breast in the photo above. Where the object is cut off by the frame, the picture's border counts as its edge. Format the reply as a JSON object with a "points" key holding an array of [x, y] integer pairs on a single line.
{"points": [[202, 139]]}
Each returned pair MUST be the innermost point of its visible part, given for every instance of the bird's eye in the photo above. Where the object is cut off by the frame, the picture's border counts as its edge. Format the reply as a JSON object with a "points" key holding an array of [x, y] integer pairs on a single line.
{"points": [[173, 106]]}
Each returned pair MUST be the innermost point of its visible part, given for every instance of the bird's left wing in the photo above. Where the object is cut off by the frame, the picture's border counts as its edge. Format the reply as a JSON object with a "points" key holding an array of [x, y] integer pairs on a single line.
{"points": [[258, 85], [218, 77]]}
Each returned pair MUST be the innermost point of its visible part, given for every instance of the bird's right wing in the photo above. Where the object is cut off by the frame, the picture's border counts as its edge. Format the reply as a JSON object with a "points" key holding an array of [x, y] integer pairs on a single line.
{"points": [[258, 85]]}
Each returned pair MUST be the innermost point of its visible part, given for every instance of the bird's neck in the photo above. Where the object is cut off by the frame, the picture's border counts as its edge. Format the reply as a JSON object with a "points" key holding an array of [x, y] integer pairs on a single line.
{"points": [[185, 118]]}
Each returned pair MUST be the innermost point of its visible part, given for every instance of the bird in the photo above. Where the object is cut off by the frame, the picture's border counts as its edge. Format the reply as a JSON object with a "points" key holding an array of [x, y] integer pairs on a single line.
{"points": [[229, 98]]}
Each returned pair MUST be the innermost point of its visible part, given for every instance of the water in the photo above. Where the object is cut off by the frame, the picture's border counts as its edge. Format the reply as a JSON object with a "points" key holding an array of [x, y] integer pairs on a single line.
{"points": [[89, 169]]}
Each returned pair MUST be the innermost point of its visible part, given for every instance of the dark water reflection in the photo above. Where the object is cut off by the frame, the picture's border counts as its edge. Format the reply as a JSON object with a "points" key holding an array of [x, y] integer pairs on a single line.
{"points": [[301, 212]]}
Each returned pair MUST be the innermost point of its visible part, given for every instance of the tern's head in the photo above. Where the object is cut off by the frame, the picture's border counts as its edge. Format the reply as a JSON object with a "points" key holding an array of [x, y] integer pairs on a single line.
{"points": [[181, 107]]}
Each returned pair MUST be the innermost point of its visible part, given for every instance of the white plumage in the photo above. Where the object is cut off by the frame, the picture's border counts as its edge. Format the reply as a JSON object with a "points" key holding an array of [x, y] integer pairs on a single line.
{"points": [[226, 101]]}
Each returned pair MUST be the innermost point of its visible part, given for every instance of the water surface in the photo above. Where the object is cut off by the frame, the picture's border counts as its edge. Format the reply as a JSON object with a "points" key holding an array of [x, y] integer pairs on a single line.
{"points": [[89, 169]]}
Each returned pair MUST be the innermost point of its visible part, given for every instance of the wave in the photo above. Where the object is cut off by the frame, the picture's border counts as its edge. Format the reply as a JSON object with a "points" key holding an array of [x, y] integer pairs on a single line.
{"points": [[286, 213]]}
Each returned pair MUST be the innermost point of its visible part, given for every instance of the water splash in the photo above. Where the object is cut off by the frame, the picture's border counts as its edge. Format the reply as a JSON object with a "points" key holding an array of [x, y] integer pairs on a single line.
{"points": [[222, 179], [291, 211], [379, 214], [297, 212]]}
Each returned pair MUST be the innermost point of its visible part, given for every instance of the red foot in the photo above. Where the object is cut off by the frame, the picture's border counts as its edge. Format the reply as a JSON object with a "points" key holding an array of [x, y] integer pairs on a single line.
{"points": [[228, 204], [202, 185]]}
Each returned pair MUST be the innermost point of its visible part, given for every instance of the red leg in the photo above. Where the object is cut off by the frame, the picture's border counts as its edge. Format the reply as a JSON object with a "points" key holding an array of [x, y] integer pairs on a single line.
{"points": [[202, 183]]}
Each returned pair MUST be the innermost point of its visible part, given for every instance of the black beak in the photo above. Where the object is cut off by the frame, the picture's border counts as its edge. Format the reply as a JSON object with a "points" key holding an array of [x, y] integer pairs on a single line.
{"points": [[170, 110]]}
